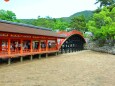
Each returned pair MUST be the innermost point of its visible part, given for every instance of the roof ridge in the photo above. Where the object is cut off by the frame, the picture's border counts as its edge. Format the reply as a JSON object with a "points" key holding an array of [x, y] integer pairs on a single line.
{"points": [[25, 25]]}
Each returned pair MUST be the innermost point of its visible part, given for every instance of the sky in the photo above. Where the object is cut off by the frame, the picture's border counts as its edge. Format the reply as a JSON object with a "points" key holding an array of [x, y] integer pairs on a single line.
{"points": [[29, 9]]}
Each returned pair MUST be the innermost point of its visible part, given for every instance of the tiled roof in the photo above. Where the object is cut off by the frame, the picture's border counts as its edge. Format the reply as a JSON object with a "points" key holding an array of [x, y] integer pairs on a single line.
{"points": [[6, 26]]}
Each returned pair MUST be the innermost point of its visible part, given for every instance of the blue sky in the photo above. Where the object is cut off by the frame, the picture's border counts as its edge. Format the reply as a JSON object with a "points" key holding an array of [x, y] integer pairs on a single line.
{"points": [[25, 9]]}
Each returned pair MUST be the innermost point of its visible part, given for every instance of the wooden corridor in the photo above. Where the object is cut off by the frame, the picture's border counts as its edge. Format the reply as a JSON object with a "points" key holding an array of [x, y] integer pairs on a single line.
{"points": [[20, 40]]}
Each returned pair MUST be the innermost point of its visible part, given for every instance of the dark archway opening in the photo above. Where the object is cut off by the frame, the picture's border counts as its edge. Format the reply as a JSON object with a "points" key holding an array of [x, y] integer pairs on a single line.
{"points": [[72, 44]]}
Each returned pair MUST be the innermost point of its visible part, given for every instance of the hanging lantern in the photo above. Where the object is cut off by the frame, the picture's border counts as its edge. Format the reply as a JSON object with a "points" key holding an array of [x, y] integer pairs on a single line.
{"points": [[6, 0]]}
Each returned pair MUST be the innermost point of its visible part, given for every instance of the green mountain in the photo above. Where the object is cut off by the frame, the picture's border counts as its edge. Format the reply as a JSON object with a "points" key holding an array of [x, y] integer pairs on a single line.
{"points": [[87, 14]]}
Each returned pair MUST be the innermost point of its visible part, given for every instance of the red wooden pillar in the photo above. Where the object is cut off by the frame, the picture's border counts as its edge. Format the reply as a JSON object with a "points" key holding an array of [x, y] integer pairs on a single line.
{"points": [[39, 46], [21, 46], [56, 44], [46, 45], [0, 45], [9, 42], [31, 45]]}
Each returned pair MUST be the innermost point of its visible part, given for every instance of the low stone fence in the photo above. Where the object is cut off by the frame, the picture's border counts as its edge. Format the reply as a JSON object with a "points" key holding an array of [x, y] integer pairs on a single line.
{"points": [[105, 49]]}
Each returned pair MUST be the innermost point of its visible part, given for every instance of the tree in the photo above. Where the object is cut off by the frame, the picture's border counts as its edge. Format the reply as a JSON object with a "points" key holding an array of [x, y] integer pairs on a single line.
{"points": [[78, 23], [103, 24], [44, 22], [105, 2], [60, 25], [7, 15], [48, 22]]}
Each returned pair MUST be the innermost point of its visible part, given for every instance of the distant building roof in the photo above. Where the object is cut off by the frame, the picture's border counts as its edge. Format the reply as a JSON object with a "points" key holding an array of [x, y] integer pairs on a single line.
{"points": [[6, 26]]}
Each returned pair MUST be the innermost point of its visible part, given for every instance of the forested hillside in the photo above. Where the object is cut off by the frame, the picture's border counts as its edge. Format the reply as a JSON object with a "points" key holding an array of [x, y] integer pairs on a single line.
{"points": [[71, 22], [87, 14]]}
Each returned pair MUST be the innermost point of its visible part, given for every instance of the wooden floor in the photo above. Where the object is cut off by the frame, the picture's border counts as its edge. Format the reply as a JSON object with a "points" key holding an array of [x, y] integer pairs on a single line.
{"points": [[5, 56]]}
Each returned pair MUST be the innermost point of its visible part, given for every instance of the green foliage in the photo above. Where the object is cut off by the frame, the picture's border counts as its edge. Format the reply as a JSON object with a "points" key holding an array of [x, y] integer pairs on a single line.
{"points": [[43, 22], [105, 2], [27, 21], [8, 15], [103, 24], [78, 23], [60, 25], [87, 14], [55, 24]]}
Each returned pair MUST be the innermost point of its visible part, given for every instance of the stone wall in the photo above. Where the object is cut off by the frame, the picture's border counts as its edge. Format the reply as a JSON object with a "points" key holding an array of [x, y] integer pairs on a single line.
{"points": [[106, 48]]}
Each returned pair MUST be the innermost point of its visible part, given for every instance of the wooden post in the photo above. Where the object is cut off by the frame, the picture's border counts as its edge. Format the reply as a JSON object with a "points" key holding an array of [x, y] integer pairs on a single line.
{"points": [[9, 46], [56, 44], [65, 47], [62, 49], [21, 59], [46, 45], [75, 47], [9, 61], [56, 53], [31, 57], [31, 45], [21, 46], [46, 55], [69, 48], [0, 45], [39, 56], [39, 45]]}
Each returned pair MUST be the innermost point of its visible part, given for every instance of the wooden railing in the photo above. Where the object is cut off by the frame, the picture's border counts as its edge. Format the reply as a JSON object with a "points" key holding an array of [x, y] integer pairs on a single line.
{"points": [[26, 51], [51, 49], [4, 52]]}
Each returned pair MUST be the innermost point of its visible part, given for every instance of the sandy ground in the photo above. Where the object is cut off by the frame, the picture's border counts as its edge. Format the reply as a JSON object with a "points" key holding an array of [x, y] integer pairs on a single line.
{"points": [[84, 68]]}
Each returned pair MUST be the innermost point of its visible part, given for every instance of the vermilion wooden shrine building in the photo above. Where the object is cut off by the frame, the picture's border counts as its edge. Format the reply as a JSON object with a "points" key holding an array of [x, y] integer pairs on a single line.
{"points": [[19, 40]]}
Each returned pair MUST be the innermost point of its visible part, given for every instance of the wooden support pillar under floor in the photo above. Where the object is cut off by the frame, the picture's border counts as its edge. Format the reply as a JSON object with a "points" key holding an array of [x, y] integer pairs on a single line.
{"points": [[21, 59], [39, 56], [61, 50], [9, 61], [46, 55], [31, 57], [69, 48], [56, 53]]}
